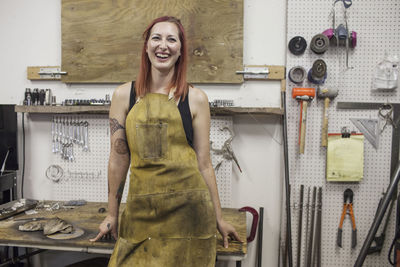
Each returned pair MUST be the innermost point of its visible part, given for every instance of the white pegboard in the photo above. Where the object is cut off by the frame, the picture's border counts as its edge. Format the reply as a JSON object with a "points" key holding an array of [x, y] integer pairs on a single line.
{"points": [[86, 176], [377, 24]]}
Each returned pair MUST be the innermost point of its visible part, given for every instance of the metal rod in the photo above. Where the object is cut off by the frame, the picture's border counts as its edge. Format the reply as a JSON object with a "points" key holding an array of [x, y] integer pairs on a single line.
{"points": [[300, 225], [286, 158], [378, 219], [260, 237], [307, 225], [310, 240]]}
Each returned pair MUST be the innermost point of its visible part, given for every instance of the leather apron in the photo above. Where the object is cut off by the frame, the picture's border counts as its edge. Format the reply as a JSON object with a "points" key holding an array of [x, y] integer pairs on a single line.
{"points": [[169, 219]]}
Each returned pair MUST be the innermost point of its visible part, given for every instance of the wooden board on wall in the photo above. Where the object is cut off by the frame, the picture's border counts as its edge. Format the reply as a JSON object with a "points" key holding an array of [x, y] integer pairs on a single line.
{"points": [[102, 39]]}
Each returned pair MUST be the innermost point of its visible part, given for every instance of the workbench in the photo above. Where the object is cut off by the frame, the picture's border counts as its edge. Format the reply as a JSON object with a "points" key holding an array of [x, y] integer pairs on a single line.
{"points": [[88, 218]]}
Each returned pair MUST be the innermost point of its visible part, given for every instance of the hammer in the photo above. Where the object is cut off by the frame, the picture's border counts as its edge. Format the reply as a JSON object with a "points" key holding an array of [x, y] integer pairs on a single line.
{"points": [[303, 95], [327, 95]]}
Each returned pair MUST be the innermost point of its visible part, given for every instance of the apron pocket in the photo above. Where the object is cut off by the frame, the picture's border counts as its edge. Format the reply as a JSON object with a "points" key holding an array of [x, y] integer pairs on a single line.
{"points": [[125, 250], [152, 140]]}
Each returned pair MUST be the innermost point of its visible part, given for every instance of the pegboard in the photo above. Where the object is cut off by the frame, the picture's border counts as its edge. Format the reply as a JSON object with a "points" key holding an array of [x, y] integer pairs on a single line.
{"points": [[377, 24], [86, 176]]}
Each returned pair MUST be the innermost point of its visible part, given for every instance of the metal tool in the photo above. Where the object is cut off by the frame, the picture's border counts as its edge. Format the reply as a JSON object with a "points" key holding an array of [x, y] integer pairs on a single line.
{"points": [[299, 229], [307, 225], [311, 236], [328, 95], [386, 116], [370, 129], [318, 224], [303, 95], [226, 150], [347, 206], [260, 237], [287, 174], [381, 238]]}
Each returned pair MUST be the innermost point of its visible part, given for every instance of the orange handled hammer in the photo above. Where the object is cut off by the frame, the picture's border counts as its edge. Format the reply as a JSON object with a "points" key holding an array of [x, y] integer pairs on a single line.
{"points": [[303, 95]]}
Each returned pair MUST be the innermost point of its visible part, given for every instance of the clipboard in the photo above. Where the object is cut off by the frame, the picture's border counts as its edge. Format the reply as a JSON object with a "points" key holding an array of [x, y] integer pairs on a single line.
{"points": [[345, 157]]}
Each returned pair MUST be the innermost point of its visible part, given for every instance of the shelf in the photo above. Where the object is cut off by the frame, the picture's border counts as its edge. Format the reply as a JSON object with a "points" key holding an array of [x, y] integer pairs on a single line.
{"points": [[242, 110], [63, 109], [105, 109]]}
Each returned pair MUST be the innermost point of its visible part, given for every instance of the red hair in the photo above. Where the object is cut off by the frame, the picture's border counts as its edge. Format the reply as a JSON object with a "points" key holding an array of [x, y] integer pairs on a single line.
{"points": [[142, 83]]}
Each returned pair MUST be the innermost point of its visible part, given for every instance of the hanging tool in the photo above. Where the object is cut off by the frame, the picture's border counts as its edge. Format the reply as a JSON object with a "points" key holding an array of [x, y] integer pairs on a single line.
{"points": [[311, 237], [319, 43], [347, 205], [328, 95], [253, 230], [381, 238], [369, 128], [226, 150], [297, 45], [303, 95], [300, 225], [318, 73], [386, 115]]}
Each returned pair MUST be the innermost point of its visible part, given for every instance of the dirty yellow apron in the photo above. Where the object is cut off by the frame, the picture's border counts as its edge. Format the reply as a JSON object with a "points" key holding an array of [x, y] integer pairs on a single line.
{"points": [[169, 219]]}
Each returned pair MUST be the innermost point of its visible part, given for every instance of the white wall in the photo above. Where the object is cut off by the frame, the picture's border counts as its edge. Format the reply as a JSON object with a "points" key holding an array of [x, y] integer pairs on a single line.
{"points": [[31, 36]]}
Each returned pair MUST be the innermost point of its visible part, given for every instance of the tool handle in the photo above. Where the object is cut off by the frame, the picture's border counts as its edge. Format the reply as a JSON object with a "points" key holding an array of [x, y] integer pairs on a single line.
{"points": [[254, 223], [324, 140], [339, 237], [303, 122], [354, 238]]}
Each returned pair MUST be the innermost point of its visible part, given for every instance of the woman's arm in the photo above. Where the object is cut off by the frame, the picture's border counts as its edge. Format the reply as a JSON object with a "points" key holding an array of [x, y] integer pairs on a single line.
{"points": [[200, 110], [119, 160]]}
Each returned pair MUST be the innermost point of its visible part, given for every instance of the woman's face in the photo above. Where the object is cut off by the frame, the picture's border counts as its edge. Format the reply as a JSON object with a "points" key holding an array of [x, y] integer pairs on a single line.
{"points": [[164, 47]]}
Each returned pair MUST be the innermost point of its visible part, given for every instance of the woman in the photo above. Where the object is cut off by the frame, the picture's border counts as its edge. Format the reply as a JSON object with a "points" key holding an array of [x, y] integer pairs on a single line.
{"points": [[160, 125]]}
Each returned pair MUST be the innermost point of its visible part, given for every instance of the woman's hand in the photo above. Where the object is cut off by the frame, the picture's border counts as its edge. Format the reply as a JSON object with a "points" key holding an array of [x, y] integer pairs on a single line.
{"points": [[226, 231], [108, 228]]}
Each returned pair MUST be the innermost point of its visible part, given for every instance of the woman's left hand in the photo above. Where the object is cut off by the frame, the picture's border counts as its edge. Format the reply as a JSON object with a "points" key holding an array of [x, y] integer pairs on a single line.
{"points": [[226, 231]]}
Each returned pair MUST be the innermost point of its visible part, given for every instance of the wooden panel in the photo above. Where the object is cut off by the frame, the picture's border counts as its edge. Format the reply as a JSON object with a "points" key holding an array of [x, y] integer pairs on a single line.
{"points": [[32, 73], [88, 218], [102, 40]]}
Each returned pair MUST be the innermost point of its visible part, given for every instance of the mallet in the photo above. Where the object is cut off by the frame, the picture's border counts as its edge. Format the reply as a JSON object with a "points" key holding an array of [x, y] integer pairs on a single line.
{"points": [[327, 95], [303, 95]]}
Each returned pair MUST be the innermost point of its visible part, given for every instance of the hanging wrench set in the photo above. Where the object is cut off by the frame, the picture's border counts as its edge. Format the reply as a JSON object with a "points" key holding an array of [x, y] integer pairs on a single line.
{"points": [[67, 132]]}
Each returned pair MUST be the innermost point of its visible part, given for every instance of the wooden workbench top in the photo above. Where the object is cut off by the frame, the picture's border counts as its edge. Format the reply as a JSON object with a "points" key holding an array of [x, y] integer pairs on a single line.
{"points": [[88, 218]]}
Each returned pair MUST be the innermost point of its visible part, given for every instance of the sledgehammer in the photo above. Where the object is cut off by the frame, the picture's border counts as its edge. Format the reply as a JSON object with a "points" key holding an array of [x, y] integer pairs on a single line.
{"points": [[303, 95], [327, 95]]}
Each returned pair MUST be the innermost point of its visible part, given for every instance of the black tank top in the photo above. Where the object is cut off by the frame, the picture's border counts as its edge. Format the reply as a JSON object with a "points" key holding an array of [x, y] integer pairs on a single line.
{"points": [[183, 108]]}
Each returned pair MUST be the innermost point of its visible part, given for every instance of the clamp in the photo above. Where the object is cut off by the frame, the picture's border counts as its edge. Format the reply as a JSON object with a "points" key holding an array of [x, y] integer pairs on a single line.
{"points": [[347, 205]]}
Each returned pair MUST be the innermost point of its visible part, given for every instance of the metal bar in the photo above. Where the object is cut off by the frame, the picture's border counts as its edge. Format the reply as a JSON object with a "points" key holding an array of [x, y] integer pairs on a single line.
{"points": [[307, 225], [299, 229], [311, 238], [260, 237], [378, 219], [286, 157]]}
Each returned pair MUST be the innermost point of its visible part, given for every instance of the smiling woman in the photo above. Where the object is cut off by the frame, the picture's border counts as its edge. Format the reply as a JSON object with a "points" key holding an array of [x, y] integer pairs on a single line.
{"points": [[173, 207]]}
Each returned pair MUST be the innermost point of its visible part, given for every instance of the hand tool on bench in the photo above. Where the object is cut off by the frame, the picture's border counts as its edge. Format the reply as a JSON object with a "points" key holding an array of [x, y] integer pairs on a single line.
{"points": [[347, 205], [303, 95], [300, 225], [328, 95]]}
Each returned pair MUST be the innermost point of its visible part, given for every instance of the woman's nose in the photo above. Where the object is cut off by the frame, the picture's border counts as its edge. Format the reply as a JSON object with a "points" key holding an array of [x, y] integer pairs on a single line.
{"points": [[163, 44]]}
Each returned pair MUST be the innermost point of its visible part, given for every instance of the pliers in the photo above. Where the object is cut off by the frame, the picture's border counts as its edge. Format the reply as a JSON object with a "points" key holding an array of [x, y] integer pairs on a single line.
{"points": [[347, 205]]}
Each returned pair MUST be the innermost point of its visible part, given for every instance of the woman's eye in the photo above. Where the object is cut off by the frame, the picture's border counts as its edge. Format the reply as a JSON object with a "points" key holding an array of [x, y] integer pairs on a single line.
{"points": [[172, 39], [155, 38]]}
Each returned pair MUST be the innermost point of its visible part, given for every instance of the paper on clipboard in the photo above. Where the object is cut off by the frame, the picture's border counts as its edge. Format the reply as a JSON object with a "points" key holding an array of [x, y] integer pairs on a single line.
{"points": [[345, 158]]}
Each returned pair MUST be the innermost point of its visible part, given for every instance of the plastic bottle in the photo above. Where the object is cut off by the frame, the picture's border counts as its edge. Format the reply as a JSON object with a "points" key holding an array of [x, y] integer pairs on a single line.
{"points": [[387, 73]]}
